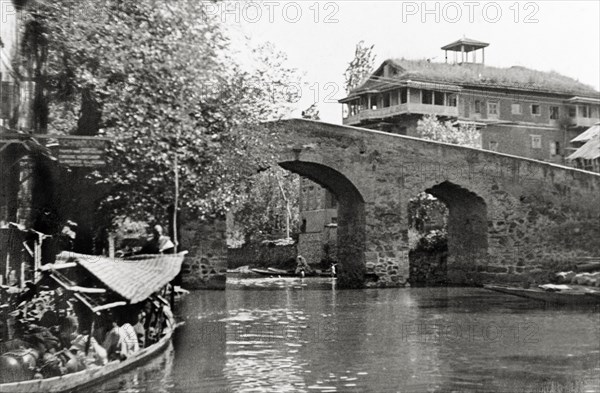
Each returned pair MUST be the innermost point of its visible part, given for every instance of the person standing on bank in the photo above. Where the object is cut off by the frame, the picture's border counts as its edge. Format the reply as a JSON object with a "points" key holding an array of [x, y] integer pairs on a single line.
{"points": [[159, 243]]}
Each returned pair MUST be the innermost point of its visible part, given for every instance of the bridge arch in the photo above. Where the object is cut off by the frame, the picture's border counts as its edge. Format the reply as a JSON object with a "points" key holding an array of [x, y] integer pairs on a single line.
{"points": [[467, 227], [351, 218]]}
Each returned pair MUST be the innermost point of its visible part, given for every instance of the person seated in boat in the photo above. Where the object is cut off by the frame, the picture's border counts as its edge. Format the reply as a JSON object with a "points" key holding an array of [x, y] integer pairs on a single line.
{"points": [[158, 243], [129, 339], [96, 354], [112, 341], [67, 331], [121, 341], [302, 266], [85, 348], [140, 329]]}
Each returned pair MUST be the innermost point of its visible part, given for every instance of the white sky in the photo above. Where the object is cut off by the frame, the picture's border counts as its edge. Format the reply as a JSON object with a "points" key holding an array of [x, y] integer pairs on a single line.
{"points": [[563, 36]]}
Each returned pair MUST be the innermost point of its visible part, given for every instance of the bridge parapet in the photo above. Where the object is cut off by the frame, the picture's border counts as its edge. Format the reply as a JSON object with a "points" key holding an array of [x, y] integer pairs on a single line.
{"points": [[511, 218]]}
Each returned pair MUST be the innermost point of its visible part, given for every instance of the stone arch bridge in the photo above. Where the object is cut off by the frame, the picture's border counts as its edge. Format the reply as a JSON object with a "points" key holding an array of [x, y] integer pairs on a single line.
{"points": [[509, 217]]}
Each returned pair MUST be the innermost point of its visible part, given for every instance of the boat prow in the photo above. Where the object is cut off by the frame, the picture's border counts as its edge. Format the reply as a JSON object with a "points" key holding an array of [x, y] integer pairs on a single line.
{"points": [[575, 295]]}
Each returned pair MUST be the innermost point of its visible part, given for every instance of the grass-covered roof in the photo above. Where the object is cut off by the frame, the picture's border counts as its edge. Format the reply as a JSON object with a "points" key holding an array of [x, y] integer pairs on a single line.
{"points": [[515, 77]]}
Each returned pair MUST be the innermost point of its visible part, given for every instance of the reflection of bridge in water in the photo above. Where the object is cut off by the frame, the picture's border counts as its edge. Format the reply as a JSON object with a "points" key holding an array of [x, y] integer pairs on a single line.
{"points": [[497, 203]]}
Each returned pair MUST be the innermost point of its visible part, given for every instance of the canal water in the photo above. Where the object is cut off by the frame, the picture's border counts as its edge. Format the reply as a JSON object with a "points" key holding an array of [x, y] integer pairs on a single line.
{"points": [[294, 335]]}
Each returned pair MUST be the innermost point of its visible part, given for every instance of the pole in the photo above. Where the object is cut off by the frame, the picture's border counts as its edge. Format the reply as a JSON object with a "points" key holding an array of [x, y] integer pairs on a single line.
{"points": [[176, 168], [89, 340], [288, 212], [287, 219]]}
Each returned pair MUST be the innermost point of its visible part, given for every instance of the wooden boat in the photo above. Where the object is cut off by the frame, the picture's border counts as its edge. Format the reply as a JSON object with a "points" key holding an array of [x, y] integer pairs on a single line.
{"points": [[91, 376], [575, 295], [272, 272], [117, 278]]}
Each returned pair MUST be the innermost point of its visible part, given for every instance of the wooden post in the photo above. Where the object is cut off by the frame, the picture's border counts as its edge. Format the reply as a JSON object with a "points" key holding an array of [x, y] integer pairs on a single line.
{"points": [[22, 276], [176, 203], [288, 212], [462, 53], [89, 340], [7, 271], [37, 257], [111, 245], [482, 55]]}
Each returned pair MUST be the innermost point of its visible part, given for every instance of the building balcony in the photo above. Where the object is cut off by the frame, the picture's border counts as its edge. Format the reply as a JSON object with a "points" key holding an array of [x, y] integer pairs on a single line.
{"points": [[402, 109], [580, 121]]}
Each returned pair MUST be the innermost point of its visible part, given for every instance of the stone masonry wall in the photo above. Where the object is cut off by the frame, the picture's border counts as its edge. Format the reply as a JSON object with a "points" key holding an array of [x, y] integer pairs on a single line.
{"points": [[205, 266], [510, 218], [262, 255]]}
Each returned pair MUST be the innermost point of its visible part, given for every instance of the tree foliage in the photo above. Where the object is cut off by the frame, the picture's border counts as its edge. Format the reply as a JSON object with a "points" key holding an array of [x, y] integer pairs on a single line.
{"points": [[424, 206], [360, 67], [429, 127], [160, 79], [262, 212], [311, 113]]}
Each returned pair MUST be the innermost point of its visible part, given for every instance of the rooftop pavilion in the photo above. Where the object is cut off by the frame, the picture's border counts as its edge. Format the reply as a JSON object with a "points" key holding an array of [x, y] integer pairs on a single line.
{"points": [[465, 46]]}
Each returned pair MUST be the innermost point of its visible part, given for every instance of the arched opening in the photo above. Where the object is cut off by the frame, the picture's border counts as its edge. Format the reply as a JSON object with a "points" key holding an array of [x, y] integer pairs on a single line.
{"points": [[427, 240], [350, 219], [467, 229], [465, 236]]}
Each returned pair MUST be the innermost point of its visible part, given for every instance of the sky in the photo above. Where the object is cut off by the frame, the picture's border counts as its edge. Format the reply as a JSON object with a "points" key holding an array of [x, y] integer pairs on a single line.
{"points": [[319, 38]]}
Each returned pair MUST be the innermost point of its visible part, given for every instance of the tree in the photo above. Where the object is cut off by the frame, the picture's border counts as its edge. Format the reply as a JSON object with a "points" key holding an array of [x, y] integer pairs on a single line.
{"points": [[361, 67], [422, 207], [262, 212], [311, 113], [160, 79], [465, 135]]}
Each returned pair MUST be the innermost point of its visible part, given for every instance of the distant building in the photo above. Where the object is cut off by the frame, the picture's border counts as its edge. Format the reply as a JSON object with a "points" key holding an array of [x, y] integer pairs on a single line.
{"points": [[587, 153], [317, 240], [519, 111]]}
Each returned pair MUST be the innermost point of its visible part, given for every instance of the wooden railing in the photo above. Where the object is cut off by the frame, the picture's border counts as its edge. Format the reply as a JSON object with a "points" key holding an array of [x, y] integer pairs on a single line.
{"points": [[381, 113]]}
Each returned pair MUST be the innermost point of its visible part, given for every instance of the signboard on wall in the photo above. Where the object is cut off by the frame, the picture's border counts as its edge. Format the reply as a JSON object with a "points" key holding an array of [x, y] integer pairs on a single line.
{"points": [[81, 152]]}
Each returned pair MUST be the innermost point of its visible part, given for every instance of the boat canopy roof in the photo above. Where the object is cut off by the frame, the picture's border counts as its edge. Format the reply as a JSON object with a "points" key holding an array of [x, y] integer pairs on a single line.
{"points": [[134, 279]]}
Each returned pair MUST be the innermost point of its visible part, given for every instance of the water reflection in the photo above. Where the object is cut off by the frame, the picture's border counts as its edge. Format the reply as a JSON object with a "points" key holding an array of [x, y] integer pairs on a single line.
{"points": [[287, 334]]}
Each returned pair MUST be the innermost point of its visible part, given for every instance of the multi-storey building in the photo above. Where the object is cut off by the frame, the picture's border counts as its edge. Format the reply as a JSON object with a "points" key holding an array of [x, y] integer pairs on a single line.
{"points": [[519, 111], [317, 240], [586, 146]]}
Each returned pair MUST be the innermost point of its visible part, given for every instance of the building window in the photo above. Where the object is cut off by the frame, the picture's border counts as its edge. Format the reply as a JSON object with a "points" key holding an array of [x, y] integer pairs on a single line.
{"points": [[515, 109], [438, 98], [394, 98], [572, 111], [330, 200], [554, 113], [585, 111], [426, 97], [7, 99], [492, 109], [478, 105], [535, 110], [536, 141], [374, 99], [403, 96], [554, 148], [493, 145], [451, 99], [386, 100]]}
